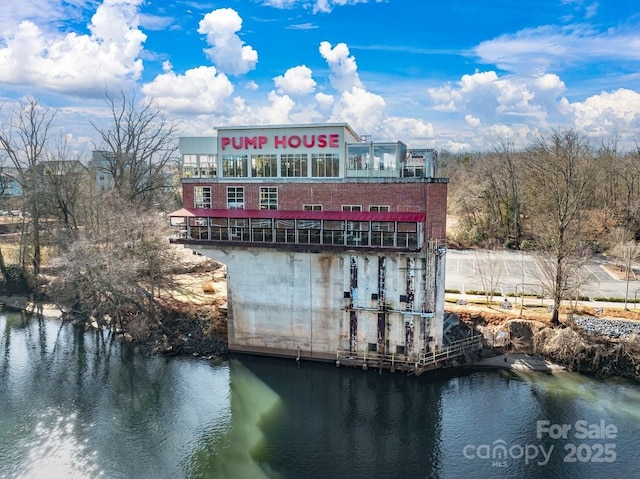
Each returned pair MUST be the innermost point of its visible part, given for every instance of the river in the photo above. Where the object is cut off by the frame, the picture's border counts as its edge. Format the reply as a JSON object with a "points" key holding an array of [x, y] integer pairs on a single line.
{"points": [[76, 405]]}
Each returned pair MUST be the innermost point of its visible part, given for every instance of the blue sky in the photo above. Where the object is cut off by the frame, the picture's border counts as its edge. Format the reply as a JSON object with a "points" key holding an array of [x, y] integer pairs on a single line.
{"points": [[456, 75]]}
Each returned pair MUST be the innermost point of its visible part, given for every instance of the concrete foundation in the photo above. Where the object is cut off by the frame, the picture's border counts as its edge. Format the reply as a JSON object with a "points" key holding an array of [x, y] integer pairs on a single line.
{"points": [[313, 305]]}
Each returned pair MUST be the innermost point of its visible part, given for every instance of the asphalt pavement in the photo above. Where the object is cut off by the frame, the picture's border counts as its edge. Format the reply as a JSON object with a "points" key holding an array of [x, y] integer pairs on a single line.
{"points": [[516, 271]]}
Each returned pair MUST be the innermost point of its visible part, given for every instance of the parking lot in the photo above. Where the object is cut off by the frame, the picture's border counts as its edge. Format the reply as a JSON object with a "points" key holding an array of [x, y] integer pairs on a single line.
{"points": [[518, 271]]}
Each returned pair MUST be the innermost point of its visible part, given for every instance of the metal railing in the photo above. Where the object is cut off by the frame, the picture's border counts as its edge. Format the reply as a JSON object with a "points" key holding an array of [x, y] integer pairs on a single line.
{"points": [[455, 349]]}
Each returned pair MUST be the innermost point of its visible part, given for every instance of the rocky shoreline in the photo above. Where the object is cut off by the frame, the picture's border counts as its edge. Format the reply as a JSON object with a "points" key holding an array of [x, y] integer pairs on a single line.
{"points": [[612, 328]]}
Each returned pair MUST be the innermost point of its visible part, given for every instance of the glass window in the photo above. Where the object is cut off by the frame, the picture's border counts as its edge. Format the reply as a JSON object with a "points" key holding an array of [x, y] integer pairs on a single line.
{"points": [[405, 227], [235, 197], [312, 207], [189, 166], [308, 224], [334, 225], [295, 165], [234, 166], [351, 207], [358, 156], [239, 230], [208, 166], [285, 231], [263, 166], [378, 208], [382, 226], [268, 198], [308, 231], [202, 197], [384, 157], [325, 165]]}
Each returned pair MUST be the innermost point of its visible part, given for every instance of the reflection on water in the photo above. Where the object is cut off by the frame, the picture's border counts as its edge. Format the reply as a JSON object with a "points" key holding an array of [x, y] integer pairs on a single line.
{"points": [[78, 405]]}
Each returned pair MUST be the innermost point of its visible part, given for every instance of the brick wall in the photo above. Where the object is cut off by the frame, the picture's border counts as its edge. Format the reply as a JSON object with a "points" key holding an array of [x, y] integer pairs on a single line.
{"points": [[430, 198]]}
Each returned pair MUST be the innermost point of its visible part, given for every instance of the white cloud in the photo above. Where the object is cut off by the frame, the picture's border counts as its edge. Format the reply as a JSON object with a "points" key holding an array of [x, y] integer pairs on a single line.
{"points": [[472, 120], [363, 110], [540, 49], [296, 81], [418, 131], [344, 71], [316, 6], [278, 111], [227, 51], [73, 63], [199, 90], [324, 100], [486, 98], [608, 114]]}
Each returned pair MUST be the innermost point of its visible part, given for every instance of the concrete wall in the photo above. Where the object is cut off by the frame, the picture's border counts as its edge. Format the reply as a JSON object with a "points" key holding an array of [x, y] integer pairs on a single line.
{"points": [[287, 303]]}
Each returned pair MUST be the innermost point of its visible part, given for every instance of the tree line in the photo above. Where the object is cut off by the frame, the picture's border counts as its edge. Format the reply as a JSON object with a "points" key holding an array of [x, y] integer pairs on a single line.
{"points": [[98, 254], [561, 196]]}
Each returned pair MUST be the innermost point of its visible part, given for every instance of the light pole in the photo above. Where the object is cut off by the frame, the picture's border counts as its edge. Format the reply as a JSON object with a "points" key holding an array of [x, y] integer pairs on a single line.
{"points": [[626, 293]]}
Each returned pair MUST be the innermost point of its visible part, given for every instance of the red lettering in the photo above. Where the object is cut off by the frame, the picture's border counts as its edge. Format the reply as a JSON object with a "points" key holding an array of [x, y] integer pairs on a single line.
{"points": [[280, 141], [224, 142], [309, 143], [294, 141], [322, 141], [236, 145], [262, 140], [250, 142], [334, 140]]}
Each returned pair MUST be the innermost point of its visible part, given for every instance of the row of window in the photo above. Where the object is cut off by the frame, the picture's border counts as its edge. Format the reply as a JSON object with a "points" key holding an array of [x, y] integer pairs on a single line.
{"points": [[326, 232], [319, 165], [268, 200]]}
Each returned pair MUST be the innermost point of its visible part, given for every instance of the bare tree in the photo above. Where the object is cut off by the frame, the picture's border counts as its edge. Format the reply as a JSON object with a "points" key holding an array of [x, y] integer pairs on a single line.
{"points": [[561, 174], [490, 271], [138, 149], [115, 272], [24, 142], [65, 182]]}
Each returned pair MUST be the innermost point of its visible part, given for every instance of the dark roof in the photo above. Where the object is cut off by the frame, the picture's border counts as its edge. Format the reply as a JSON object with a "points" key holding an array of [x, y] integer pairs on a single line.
{"points": [[412, 217]]}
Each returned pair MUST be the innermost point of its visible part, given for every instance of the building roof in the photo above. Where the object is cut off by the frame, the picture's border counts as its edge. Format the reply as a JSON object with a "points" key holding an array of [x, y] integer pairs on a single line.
{"points": [[404, 216]]}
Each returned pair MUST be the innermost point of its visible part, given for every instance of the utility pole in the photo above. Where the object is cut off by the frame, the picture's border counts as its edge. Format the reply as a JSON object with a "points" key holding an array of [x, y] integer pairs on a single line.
{"points": [[626, 293]]}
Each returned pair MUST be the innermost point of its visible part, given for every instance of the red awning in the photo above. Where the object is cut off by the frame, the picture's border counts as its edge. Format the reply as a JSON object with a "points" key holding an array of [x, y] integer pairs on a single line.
{"points": [[404, 216]]}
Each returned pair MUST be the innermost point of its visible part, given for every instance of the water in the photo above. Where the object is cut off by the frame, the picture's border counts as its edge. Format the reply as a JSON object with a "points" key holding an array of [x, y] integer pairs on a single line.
{"points": [[76, 405]]}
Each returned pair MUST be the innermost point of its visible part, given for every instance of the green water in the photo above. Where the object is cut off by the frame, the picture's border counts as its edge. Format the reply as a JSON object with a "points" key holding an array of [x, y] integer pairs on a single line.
{"points": [[76, 405]]}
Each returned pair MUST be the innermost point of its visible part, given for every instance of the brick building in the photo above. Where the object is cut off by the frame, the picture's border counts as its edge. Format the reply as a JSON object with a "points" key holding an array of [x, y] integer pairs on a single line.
{"points": [[334, 244]]}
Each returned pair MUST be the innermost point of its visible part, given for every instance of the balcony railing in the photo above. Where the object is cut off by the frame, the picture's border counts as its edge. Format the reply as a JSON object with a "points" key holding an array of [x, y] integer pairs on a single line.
{"points": [[398, 235]]}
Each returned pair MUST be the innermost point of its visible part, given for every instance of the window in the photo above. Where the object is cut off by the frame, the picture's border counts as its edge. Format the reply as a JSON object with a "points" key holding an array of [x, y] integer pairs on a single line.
{"points": [[262, 229], [268, 198], [312, 207], [294, 165], [351, 208], [357, 233], [308, 231], [333, 232], [325, 165], [378, 208], [198, 166], [235, 197], [219, 228], [382, 233], [189, 166], [234, 166], [285, 231], [358, 156], [202, 197], [239, 230], [208, 166], [263, 166]]}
